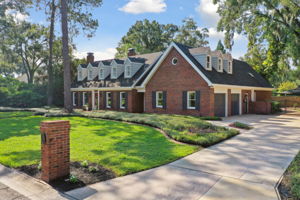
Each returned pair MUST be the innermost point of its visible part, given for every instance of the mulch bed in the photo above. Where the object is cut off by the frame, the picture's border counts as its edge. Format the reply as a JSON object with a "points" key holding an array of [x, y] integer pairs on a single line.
{"points": [[84, 176]]}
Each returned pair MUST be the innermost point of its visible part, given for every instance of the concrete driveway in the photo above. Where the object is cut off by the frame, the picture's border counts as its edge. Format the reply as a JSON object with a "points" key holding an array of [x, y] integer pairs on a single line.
{"points": [[247, 166]]}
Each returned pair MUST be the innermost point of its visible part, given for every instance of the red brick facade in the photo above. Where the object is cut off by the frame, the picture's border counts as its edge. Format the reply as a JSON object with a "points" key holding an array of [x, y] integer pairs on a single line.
{"points": [[174, 79], [55, 150]]}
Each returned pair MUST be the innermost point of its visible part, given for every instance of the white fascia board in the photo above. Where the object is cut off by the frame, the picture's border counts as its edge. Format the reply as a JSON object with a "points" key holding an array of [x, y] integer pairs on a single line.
{"points": [[173, 45], [102, 89], [243, 87]]}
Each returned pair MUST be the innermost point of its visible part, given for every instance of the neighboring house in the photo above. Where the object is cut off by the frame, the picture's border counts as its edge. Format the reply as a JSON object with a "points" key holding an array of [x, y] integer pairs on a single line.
{"points": [[180, 80]]}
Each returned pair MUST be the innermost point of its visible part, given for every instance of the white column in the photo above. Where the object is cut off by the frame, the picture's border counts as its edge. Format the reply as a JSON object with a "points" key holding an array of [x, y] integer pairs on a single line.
{"points": [[93, 100], [98, 100], [253, 99]]}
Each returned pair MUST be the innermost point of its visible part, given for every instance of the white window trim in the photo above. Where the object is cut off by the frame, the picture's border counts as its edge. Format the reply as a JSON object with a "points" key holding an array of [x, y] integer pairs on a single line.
{"points": [[127, 68], [90, 74], [157, 99], [220, 65], [112, 72], [229, 66], [74, 98], [210, 65], [188, 100], [107, 105], [174, 61], [122, 107], [83, 98], [101, 70]]}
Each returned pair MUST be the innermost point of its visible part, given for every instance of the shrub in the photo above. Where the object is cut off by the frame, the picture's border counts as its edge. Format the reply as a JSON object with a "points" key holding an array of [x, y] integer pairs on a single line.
{"points": [[73, 179], [275, 106], [240, 125], [214, 118], [93, 169], [296, 186], [84, 164]]}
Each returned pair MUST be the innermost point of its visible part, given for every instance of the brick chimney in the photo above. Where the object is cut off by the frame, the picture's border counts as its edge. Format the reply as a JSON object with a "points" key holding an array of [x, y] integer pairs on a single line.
{"points": [[131, 52], [90, 58]]}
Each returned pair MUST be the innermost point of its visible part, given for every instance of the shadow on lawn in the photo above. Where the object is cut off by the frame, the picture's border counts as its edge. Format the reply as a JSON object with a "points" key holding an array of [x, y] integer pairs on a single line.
{"points": [[25, 157]]}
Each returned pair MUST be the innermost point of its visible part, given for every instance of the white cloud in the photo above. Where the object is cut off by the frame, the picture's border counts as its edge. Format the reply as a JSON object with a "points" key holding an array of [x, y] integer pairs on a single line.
{"points": [[18, 17], [99, 55], [208, 11], [144, 6], [213, 33]]}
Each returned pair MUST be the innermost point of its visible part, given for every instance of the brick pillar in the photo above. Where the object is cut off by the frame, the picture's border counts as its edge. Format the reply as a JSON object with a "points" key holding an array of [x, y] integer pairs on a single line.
{"points": [[55, 149]]}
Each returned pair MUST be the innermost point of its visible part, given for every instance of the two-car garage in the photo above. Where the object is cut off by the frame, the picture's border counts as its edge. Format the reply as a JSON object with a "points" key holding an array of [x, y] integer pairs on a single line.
{"points": [[220, 104]]}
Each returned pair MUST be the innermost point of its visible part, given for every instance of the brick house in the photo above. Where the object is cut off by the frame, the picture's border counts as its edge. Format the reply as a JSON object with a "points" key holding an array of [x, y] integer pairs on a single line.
{"points": [[180, 80]]}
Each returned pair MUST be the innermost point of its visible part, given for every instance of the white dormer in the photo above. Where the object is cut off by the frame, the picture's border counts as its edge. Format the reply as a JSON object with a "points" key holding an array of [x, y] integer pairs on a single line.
{"points": [[217, 60], [81, 73], [116, 69], [228, 63], [91, 72], [203, 56], [131, 67], [208, 64], [104, 70]]}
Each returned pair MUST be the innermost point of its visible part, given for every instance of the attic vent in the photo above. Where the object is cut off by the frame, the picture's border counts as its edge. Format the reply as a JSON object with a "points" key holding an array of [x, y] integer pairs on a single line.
{"points": [[250, 74]]}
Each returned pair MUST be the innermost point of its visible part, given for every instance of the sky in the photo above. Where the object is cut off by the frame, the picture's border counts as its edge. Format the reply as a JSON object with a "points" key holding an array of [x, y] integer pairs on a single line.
{"points": [[117, 16]]}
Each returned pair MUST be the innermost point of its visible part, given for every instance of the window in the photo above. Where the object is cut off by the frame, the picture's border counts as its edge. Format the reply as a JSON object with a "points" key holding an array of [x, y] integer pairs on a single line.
{"points": [[220, 65], [174, 61], [85, 99], [229, 67], [191, 100], [122, 100], [80, 74], [127, 71], [74, 98], [90, 74], [108, 100], [114, 72], [159, 99], [208, 62], [101, 73]]}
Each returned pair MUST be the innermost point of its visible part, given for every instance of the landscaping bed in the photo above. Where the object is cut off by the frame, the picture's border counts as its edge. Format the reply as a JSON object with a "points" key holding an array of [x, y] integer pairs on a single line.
{"points": [[80, 175], [289, 188]]}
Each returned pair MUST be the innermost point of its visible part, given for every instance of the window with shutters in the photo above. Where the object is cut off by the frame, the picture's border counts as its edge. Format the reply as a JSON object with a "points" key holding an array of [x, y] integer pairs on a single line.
{"points": [[122, 100], [85, 99], [191, 100], [108, 100], [159, 99]]}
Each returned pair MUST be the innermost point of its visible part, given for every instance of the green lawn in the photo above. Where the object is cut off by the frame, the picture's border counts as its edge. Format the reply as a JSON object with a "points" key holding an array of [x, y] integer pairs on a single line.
{"points": [[294, 177], [121, 147], [15, 114]]}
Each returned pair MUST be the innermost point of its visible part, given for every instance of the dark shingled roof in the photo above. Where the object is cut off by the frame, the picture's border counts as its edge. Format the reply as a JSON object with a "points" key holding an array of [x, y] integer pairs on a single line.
{"points": [[243, 74], [137, 60]]}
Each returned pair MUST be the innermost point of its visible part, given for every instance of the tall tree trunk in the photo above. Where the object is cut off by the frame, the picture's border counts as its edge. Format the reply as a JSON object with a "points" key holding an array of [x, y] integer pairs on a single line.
{"points": [[50, 64], [66, 58]]}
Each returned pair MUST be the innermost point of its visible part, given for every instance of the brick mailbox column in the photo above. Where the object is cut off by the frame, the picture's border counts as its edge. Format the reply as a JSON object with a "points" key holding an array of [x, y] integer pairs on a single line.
{"points": [[55, 149]]}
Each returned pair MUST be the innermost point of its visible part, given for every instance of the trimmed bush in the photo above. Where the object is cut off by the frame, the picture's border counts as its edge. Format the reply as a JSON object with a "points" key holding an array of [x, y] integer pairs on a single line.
{"points": [[275, 106], [240, 125]]}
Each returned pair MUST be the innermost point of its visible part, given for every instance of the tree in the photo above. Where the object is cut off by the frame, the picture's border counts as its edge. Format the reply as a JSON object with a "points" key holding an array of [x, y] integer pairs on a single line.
{"points": [[66, 57], [80, 18], [285, 86], [189, 34], [146, 37], [221, 47]]}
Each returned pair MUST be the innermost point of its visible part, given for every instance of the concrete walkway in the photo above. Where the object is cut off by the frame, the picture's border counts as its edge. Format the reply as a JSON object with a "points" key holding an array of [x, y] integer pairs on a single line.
{"points": [[247, 166]]}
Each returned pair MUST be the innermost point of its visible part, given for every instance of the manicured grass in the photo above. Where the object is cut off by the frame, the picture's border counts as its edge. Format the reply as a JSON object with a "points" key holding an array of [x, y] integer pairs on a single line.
{"points": [[121, 147], [294, 177], [188, 129], [240, 125], [15, 114]]}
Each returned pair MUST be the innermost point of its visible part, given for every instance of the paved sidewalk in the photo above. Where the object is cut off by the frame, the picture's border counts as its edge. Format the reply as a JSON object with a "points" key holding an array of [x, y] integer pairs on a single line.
{"points": [[245, 167], [7, 193]]}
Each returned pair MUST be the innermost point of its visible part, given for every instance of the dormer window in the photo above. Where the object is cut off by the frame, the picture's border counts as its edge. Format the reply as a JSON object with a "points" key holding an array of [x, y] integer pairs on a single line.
{"points": [[114, 72], [220, 65], [208, 62], [101, 74], [127, 71], [229, 67], [80, 75], [90, 74]]}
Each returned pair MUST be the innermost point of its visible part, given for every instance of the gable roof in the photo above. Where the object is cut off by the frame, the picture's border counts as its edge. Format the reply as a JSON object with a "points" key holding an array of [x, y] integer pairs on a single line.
{"points": [[243, 74]]}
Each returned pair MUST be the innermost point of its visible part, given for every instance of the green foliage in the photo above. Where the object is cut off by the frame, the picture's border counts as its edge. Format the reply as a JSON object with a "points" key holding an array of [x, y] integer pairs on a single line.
{"points": [[189, 34], [275, 106], [14, 93], [40, 166], [221, 47], [293, 173], [214, 118], [285, 86], [84, 164], [73, 179], [93, 169], [186, 129], [241, 125], [149, 37], [123, 148]]}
